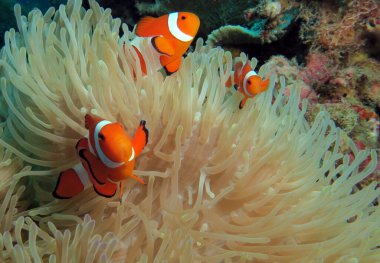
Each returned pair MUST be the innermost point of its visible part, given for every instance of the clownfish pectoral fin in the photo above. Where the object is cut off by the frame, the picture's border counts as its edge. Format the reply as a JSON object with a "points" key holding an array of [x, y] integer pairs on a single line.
{"points": [[172, 66], [163, 45], [264, 85], [94, 167], [145, 27], [141, 181], [242, 103], [81, 144], [140, 139], [106, 190], [246, 68], [68, 185]]}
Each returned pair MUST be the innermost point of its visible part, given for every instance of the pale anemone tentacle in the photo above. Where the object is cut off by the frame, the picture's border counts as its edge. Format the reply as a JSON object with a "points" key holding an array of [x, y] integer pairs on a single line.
{"points": [[175, 30]]}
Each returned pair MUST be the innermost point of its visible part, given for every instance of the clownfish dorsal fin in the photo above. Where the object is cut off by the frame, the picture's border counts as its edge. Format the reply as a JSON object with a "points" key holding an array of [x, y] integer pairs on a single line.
{"points": [[146, 27], [247, 68]]}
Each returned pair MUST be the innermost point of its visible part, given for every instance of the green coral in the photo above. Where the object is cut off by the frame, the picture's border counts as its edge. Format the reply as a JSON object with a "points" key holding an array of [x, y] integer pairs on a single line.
{"points": [[262, 30], [343, 115]]}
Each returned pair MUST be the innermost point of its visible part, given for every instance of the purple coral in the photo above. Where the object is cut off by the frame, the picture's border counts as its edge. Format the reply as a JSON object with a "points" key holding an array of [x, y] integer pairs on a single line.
{"points": [[318, 70]]}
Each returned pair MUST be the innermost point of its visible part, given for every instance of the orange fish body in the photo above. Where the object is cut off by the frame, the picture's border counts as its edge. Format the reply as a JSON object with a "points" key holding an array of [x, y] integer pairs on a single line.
{"points": [[170, 37], [107, 158], [247, 81]]}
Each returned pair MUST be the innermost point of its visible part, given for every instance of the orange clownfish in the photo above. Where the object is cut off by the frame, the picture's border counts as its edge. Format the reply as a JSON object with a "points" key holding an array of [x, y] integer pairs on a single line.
{"points": [[107, 158], [170, 37], [246, 81]]}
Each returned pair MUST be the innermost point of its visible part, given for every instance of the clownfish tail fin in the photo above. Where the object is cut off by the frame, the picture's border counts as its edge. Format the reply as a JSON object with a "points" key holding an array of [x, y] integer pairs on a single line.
{"points": [[68, 185], [264, 85], [141, 138], [145, 27]]}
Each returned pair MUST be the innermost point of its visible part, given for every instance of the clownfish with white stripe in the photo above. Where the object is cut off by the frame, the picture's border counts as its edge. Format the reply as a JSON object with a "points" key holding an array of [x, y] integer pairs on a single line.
{"points": [[107, 158], [170, 37], [247, 81]]}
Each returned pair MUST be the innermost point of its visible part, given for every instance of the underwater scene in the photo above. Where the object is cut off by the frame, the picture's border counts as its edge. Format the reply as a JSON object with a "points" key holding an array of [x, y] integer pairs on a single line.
{"points": [[189, 131]]}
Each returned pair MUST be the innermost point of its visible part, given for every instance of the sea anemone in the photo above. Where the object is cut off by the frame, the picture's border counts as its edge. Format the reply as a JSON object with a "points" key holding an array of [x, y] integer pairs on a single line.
{"points": [[223, 184]]}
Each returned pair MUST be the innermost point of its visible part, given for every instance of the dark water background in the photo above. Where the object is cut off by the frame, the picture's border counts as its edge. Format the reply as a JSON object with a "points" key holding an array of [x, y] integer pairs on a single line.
{"points": [[7, 19]]}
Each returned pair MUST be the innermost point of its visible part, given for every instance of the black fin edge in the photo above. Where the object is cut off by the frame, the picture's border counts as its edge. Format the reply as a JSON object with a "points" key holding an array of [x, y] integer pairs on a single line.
{"points": [[143, 123], [106, 196], [81, 154], [54, 193]]}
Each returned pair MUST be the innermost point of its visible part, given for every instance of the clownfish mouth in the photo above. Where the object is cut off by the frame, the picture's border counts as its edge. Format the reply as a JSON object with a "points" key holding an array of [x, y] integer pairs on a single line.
{"points": [[105, 160], [247, 76]]}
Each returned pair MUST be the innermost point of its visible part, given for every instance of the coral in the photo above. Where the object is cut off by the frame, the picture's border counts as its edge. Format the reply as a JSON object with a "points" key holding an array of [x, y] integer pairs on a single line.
{"points": [[273, 9], [344, 116], [340, 94], [260, 30], [366, 79], [358, 81], [318, 70], [279, 65], [258, 184], [342, 29]]}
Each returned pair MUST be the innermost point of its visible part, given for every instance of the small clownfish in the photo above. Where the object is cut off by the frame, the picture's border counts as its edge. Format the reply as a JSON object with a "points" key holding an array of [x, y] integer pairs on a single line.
{"points": [[170, 37], [246, 81], [107, 158]]}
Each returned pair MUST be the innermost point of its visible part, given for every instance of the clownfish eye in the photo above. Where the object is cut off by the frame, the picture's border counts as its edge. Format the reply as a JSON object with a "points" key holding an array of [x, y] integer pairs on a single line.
{"points": [[101, 137], [249, 82], [183, 17]]}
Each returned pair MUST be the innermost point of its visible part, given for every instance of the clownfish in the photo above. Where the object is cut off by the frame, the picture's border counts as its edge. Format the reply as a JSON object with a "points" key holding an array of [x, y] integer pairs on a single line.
{"points": [[246, 81], [170, 37], [107, 158]]}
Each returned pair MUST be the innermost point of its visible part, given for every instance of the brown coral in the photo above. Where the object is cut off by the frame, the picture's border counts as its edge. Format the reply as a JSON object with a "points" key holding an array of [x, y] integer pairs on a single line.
{"points": [[343, 30]]}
